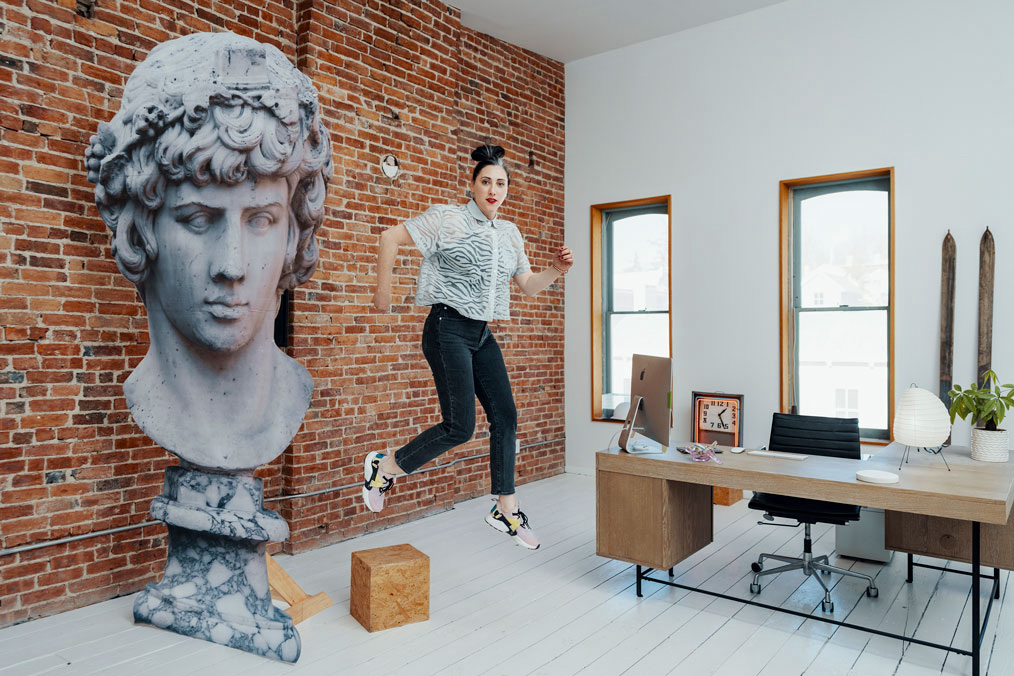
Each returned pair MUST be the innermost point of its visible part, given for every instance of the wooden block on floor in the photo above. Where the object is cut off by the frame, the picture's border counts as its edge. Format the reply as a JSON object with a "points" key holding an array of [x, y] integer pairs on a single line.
{"points": [[390, 587], [726, 496]]}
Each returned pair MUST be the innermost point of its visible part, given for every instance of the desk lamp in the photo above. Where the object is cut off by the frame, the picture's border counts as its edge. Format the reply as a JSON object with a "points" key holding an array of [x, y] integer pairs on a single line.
{"points": [[922, 421]]}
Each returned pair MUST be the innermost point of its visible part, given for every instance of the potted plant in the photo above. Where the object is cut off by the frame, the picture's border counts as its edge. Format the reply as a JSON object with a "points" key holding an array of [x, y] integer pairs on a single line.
{"points": [[985, 407]]}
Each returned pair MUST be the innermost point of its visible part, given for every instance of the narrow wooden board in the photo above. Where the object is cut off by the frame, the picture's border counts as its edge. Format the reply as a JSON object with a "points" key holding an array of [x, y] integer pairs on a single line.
{"points": [[947, 318], [987, 256], [301, 604]]}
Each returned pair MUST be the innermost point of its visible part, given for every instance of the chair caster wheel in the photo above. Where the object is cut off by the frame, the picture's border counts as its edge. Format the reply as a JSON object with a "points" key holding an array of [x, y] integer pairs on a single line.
{"points": [[755, 588], [827, 606], [756, 567], [825, 572], [872, 592]]}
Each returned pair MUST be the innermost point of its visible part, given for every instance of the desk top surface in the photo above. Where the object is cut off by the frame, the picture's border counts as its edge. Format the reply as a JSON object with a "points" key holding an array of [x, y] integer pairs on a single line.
{"points": [[972, 490]]}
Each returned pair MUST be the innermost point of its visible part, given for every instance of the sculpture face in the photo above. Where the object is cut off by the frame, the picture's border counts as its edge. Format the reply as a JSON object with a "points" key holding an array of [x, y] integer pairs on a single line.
{"points": [[221, 249]]}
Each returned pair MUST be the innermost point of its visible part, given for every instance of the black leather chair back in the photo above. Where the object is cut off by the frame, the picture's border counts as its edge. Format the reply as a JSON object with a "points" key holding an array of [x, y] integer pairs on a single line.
{"points": [[815, 435]]}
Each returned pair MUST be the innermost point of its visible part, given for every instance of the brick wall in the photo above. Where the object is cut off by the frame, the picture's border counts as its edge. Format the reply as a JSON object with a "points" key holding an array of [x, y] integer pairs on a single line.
{"points": [[401, 77]]}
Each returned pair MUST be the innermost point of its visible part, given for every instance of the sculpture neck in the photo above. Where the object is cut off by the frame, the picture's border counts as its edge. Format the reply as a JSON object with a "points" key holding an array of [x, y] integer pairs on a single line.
{"points": [[234, 410]]}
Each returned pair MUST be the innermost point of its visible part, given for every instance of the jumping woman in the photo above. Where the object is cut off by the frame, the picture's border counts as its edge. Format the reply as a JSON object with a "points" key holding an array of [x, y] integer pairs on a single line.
{"points": [[469, 259]]}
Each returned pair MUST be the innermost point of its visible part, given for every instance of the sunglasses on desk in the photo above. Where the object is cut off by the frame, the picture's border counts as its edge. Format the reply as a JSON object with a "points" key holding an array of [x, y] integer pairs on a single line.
{"points": [[700, 452]]}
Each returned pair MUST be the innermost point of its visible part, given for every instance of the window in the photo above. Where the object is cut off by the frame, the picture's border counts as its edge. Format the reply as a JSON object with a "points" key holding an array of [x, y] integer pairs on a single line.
{"points": [[630, 294], [837, 295], [846, 403]]}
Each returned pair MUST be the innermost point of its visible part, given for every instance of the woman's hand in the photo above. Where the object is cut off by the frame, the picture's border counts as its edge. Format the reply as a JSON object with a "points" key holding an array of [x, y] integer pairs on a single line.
{"points": [[382, 299], [564, 259]]}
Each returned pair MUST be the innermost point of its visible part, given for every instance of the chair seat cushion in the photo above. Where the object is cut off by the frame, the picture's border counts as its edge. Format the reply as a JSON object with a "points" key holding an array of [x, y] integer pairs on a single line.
{"points": [[804, 510]]}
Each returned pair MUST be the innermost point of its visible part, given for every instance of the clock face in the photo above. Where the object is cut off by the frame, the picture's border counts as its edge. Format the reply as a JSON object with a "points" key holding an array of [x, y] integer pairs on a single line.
{"points": [[718, 414]]}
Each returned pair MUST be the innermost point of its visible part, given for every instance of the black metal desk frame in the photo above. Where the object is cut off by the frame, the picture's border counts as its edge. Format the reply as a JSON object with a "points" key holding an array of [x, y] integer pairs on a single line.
{"points": [[978, 629]]}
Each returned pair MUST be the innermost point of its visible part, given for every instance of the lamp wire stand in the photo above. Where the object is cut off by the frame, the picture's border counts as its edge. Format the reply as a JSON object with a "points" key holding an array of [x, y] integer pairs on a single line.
{"points": [[939, 450]]}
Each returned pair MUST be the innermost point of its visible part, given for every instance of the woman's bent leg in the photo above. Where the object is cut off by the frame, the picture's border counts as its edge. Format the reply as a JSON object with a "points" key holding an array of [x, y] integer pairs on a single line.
{"points": [[447, 345]]}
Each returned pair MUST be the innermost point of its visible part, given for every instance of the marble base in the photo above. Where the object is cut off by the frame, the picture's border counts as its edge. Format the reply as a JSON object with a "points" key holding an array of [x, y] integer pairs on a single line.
{"points": [[215, 585]]}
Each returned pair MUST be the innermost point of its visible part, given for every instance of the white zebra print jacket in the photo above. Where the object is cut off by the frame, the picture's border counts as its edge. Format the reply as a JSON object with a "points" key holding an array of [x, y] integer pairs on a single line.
{"points": [[468, 260]]}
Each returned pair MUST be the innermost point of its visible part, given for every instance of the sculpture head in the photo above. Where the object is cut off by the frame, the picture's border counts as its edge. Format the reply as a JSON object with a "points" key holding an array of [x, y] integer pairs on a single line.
{"points": [[212, 177]]}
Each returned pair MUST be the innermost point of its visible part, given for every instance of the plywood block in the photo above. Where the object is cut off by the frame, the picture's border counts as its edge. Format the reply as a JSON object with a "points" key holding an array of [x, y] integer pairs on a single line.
{"points": [[726, 496], [390, 587]]}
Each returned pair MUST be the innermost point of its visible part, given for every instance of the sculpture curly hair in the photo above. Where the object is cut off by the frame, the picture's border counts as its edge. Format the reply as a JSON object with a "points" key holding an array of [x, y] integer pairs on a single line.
{"points": [[210, 107]]}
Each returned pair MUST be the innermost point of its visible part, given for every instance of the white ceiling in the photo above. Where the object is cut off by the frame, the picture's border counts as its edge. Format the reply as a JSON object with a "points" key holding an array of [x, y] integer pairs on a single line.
{"points": [[567, 30]]}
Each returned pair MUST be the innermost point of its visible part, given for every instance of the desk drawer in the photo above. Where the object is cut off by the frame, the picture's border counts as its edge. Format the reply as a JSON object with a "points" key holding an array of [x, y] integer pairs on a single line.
{"points": [[949, 538], [648, 521]]}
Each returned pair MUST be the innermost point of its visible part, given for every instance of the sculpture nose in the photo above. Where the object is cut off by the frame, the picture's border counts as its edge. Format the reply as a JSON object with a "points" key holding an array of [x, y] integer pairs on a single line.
{"points": [[228, 259]]}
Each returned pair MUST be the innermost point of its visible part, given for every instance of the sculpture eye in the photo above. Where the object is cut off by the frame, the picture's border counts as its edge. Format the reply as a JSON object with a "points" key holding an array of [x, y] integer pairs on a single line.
{"points": [[197, 221], [261, 221]]}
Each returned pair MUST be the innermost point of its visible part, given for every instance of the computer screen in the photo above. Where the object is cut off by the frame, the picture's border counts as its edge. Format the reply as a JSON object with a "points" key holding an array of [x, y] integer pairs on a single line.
{"points": [[650, 412]]}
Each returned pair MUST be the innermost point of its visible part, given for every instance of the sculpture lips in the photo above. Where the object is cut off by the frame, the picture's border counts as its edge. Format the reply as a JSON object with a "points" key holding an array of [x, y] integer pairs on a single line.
{"points": [[226, 309]]}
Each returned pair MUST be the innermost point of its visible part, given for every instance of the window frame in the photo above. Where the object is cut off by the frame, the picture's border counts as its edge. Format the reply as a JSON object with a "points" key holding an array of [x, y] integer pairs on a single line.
{"points": [[787, 290], [599, 333]]}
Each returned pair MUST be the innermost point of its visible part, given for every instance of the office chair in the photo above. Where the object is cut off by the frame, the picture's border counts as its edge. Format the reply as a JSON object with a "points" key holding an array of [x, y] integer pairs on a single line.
{"points": [[812, 435]]}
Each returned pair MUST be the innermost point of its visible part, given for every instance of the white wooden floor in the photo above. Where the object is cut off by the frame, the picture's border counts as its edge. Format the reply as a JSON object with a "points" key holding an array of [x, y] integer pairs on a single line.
{"points": [[499, 609]]}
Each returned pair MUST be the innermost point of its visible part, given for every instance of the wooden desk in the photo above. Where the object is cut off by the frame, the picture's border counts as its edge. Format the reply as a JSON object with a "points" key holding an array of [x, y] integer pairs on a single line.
{"points": [[655, 510]]}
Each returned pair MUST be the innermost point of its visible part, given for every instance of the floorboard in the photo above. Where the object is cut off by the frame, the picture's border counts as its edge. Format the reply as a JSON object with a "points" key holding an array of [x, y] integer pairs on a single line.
{"points": [[498, 609]]}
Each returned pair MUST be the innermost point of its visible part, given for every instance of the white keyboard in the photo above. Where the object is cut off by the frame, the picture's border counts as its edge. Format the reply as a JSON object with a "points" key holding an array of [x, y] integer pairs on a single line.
{"points": [[779, 454]]}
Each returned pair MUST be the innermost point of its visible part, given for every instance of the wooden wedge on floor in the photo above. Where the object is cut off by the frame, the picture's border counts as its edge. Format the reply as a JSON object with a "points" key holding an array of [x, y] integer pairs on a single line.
{"points": [[301, 604]]}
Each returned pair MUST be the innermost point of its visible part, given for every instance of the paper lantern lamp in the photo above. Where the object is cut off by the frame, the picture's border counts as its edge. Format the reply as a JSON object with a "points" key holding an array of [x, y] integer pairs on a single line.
{"points": [[921, 419], [923, 422]]}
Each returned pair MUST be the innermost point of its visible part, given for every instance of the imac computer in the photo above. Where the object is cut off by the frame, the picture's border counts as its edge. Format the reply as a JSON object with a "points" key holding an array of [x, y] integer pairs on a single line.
{"points": [[650, 412]]}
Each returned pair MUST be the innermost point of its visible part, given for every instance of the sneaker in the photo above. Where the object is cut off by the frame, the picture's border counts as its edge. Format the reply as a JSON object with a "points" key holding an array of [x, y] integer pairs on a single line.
{"points": [[377, 483], [515, 525]]}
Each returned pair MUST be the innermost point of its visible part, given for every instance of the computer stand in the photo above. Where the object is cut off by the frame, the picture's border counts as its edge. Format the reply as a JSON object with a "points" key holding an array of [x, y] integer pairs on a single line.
{"points": [[627, 432], [937, 451]]}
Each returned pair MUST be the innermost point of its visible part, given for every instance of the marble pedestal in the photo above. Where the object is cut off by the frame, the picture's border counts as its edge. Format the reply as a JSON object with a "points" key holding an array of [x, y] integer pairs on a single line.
{"points": [[215, 585]]}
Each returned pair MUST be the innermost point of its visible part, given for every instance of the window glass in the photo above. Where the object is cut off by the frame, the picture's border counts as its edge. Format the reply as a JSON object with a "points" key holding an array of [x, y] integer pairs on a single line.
{"points": [[844, 352], [839, 324], [843, 249], [640, 263]]}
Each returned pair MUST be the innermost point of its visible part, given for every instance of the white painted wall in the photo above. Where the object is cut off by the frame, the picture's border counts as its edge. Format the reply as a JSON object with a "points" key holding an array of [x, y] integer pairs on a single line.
{"points": [[717, 116]]}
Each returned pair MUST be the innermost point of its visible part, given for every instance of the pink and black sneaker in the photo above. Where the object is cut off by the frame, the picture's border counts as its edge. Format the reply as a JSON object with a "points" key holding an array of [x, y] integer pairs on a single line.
{"points": [[377, 483], [515, 525]]}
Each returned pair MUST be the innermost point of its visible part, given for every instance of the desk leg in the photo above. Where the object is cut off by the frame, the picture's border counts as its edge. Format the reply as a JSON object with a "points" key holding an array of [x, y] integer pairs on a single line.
{"points": [[976, 629], [996, 583], [909, 578], [638, 581]]}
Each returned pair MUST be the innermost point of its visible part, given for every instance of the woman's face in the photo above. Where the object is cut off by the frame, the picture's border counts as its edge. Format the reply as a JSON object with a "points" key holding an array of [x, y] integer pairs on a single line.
{"points": [[490, 189]]}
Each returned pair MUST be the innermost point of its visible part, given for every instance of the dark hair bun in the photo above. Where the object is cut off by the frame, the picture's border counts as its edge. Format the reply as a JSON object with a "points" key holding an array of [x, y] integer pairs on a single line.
{"points": [[488, 153]]}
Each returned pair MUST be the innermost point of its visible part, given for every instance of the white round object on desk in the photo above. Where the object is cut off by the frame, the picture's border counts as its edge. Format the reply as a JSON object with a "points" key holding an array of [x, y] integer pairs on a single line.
{"points": [[876, 476]]}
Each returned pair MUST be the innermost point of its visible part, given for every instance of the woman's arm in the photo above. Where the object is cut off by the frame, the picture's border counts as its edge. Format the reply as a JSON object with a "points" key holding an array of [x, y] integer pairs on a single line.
{"points": [[390, 240], [531, 283]]}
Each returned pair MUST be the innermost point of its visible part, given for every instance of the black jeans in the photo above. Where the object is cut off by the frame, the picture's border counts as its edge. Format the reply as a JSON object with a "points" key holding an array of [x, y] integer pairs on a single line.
{"points": [[466, 363]]}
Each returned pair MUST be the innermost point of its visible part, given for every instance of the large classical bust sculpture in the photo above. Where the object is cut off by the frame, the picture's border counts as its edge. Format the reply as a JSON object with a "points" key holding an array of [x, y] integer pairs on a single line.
{"points": [[212, 177]]}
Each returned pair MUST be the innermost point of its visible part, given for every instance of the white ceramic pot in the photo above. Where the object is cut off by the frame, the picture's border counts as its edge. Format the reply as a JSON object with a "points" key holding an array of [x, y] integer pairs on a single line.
{"points": [[990, 445]]}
